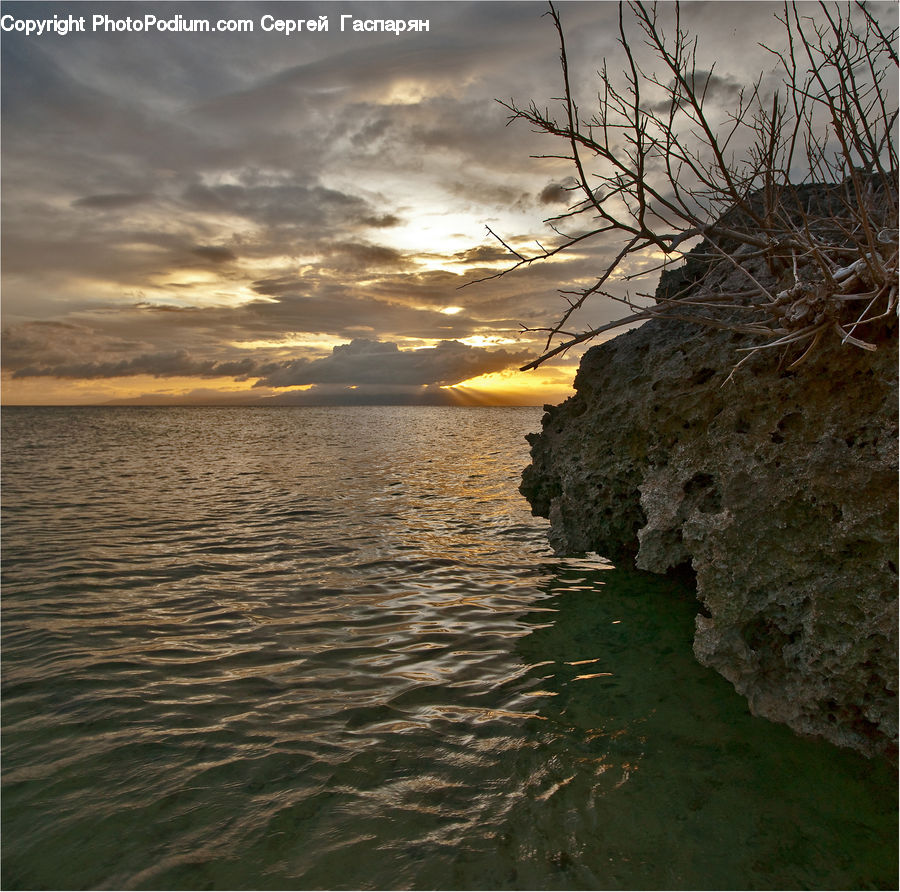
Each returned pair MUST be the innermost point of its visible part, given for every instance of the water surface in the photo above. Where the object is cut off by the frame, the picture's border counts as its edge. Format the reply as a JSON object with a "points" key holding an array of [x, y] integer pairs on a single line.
{"points": [[330, 648]]}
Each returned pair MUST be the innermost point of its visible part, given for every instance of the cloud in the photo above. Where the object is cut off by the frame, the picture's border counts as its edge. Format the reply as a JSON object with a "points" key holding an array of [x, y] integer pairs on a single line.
{"points": [[557, 193], [284, 201], [112, 201], [214, 253], [483, 254], [384, 221], [277, 285], [175, 206], [160, 365], [710, 87], [363, 256], [369, 362], [362, 362]]}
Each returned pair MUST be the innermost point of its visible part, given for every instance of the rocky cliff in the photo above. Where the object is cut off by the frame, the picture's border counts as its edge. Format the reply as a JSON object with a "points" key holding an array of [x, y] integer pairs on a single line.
{"points": [[777, 490]]}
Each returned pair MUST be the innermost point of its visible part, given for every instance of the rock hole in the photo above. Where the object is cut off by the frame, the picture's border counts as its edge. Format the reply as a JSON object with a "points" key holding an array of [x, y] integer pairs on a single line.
{"points": [[701, 377], [741, 425], [791, 421], [697, 482]]}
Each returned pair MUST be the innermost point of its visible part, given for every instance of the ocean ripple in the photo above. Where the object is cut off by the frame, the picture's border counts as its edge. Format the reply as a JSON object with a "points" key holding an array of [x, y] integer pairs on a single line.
{"points": [[329, 648]]}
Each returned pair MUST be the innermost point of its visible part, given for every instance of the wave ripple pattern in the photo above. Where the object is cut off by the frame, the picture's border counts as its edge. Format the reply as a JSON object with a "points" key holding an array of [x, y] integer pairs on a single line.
{"points": [[329, 648]]}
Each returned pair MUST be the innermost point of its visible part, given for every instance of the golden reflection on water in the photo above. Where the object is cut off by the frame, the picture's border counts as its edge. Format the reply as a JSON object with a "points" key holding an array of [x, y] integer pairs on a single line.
{"points": [[325, 649]]}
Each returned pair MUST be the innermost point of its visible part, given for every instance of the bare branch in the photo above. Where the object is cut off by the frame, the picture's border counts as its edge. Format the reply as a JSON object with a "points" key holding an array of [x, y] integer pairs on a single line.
{"points": [[654, 166]]}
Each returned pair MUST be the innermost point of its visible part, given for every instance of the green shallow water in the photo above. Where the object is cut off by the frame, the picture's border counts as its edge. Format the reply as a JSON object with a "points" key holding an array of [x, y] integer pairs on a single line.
{"points": [[251, 649]]}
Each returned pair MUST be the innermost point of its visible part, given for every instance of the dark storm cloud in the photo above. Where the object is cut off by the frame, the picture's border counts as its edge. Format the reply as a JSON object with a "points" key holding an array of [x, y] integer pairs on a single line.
{"points": [[364, 361]]}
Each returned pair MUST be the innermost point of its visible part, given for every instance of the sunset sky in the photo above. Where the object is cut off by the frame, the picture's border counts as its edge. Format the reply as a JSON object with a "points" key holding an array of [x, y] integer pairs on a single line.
{"points": [[274, 218]]}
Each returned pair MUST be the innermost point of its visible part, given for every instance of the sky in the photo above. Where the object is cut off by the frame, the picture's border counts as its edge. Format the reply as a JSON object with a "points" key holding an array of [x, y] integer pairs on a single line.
{"points": [[275, 218]]}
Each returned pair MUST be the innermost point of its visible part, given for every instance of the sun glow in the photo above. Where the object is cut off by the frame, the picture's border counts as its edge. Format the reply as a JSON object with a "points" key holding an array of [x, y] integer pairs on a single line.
{"points": [[431, 237], [65, 392], [515, 388], [487, 341], [293, 339]]}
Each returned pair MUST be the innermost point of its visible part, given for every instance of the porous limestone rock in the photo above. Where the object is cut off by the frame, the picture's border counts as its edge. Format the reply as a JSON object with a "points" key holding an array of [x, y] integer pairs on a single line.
{"points": [[778, 489]]}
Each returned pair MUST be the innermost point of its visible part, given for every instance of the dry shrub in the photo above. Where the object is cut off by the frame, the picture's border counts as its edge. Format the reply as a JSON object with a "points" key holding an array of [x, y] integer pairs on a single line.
{"points": [[799, 182]]}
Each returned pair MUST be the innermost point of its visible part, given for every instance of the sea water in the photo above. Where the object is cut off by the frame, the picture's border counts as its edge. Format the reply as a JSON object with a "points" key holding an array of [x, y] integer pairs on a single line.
{"points": [[330, 648]]}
